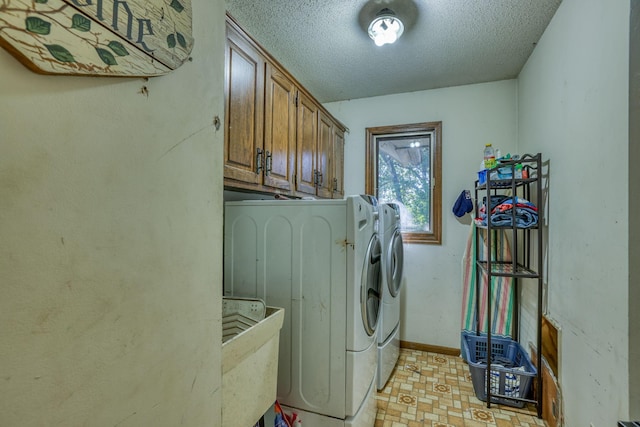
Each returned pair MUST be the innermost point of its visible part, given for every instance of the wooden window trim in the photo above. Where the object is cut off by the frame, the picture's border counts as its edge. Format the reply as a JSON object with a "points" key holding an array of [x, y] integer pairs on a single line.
{"points": [[434, 237]]}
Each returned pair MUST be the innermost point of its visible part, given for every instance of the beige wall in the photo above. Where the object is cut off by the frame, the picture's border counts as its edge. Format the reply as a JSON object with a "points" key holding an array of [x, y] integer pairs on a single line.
{"points": [[574, 107], [110, 253], [634, 210]]}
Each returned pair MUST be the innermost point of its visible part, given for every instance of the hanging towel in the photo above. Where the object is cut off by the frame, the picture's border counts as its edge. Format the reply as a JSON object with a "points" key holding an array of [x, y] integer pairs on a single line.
{"points": [[502, 291], [463, 204]]}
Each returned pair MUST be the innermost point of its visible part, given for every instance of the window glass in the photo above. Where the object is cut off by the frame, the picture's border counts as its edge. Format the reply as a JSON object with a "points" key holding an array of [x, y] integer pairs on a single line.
{"points": [[403, 167]]}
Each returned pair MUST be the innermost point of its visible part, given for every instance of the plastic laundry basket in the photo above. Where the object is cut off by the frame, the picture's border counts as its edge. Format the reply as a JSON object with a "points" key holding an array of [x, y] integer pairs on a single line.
{"points": [[511, 369]]}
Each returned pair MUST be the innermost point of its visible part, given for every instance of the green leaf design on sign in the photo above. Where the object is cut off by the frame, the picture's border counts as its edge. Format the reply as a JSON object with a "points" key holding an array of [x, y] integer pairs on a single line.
{"points": [[37, 26], [118, 48], [181, 41], [106, 56], [60, 53], [177, 6], [80, 23], [41, 1], [171, 40]]}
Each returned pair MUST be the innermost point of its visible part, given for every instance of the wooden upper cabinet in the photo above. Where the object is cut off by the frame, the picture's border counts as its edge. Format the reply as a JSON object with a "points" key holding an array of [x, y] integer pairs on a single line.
{"points": [[338, 163], [324, 181], [279, 130], [244, 114], [278, 138], [306, 146]]}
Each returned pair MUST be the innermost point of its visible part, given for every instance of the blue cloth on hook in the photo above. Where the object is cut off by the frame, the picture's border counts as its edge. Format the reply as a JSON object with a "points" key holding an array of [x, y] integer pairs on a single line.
{"points": [[463, 204]]}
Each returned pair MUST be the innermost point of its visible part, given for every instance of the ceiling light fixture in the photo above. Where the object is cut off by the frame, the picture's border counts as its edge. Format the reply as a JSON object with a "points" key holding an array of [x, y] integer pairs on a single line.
{"points": [[385, 28]]}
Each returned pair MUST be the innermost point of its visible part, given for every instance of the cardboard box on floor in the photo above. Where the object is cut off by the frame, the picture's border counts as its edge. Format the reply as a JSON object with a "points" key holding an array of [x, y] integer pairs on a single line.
{"points": [[552, 396]]}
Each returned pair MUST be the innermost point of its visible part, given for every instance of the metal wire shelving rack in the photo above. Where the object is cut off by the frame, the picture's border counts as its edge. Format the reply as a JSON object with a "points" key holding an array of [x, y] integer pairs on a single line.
{"points": [[524, 264]]}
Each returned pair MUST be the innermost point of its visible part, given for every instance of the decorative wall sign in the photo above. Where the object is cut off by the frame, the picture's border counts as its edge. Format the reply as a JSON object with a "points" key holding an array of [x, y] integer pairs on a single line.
{"points": [[97, 37]]}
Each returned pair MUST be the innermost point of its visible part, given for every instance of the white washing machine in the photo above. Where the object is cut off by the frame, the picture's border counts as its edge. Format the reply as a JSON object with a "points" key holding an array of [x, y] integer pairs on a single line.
{"points": [[321, 261], [392, 279]]}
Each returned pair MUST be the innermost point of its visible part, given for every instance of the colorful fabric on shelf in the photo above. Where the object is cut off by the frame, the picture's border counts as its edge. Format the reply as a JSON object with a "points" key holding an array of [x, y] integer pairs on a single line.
{"points": [[501, 213]]}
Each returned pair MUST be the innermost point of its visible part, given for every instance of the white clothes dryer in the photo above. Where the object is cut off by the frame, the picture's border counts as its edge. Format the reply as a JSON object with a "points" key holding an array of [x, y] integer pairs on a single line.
{"points": [[392, 279], [321, 261]]}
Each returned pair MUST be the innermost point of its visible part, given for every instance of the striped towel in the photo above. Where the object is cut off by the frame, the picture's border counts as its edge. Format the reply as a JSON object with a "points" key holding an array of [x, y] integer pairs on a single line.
{"points": [[502, 291]]}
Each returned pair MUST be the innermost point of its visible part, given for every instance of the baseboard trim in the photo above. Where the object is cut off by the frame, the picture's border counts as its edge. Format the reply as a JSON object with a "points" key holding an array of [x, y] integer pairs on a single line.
{"points": [[449, 351]]}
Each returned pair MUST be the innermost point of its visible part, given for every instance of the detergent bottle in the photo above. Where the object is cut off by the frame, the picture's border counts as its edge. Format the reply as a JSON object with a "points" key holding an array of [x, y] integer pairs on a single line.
{"points": [[489, 157]]}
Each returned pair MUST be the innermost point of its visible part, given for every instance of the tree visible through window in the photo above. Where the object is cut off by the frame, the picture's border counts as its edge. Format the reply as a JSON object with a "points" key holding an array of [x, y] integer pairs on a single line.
{"points": [[403, 167]]}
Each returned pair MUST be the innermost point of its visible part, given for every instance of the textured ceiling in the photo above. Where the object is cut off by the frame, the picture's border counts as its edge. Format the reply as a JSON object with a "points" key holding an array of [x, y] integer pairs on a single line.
{"points": [[324, 43]]}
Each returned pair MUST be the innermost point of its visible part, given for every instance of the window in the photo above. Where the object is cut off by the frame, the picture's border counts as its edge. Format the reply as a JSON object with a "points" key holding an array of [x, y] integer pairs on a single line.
{"points": [[404, 166]]}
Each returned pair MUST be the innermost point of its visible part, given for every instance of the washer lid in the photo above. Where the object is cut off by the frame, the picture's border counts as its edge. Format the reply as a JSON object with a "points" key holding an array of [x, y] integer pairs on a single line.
{"points": [[395, 262], [371, 286]]}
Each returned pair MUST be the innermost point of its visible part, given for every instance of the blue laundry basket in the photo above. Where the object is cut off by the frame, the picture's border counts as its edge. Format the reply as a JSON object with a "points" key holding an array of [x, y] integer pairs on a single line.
{"points": [[511, 369]]}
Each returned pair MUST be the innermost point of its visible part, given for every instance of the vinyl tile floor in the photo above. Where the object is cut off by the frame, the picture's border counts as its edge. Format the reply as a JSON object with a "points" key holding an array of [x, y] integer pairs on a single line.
{"points": [[435, 390]]}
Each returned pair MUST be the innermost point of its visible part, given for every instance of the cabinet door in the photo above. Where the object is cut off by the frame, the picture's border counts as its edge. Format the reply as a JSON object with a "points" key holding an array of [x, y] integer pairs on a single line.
{"points": [[244, 113], [325, 154], [306, 144], [279, 129], [338, 163]]}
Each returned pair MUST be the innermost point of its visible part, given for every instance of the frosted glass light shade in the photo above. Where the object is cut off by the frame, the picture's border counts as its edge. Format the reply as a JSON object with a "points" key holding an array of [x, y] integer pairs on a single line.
{"points": [[386, 28]]}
